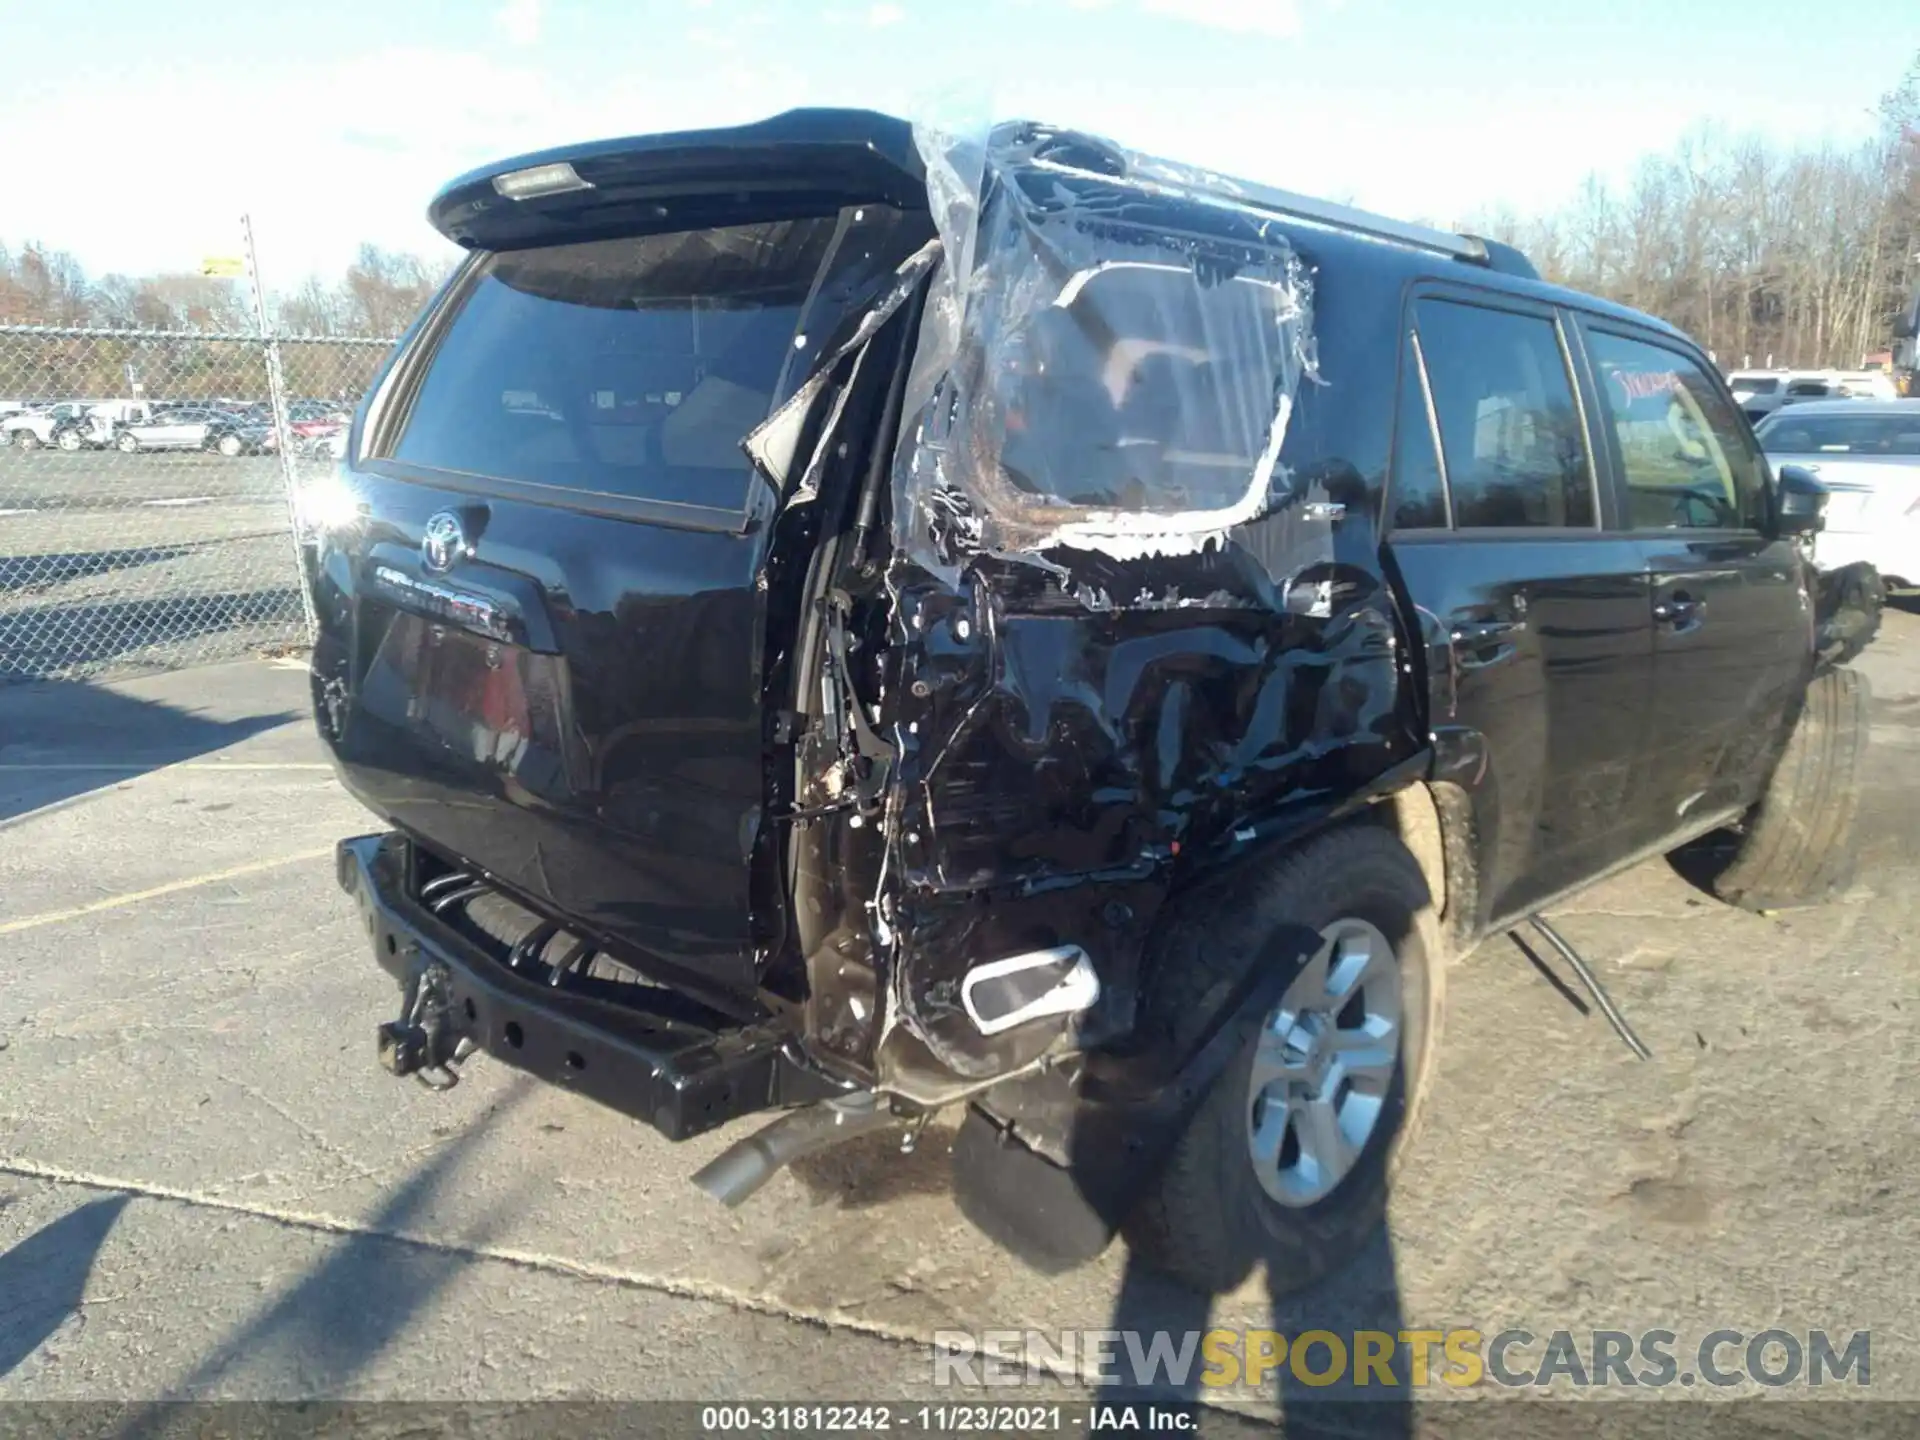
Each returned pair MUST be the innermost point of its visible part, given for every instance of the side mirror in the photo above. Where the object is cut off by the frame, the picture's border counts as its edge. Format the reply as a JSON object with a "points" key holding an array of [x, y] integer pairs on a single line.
{"points": [[1803, 501]]}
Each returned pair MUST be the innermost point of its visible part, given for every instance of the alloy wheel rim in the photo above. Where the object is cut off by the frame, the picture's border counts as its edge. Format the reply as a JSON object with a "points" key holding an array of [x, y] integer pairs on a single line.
{"points": [[1324, 1065]]}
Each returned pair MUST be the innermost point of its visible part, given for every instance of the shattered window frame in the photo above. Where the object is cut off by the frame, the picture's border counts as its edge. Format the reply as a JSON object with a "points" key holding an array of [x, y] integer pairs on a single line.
{"points": [[1025, 217]]}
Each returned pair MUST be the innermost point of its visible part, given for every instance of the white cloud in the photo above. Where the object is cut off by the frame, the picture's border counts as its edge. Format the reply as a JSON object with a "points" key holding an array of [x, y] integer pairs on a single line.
{"points": [[364, 171], [519, 21], [883, 15], [1276, 18]]}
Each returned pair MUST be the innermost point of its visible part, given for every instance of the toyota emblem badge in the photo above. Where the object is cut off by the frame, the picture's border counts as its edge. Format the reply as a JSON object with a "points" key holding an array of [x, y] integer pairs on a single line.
{"points": [[445, 542]]}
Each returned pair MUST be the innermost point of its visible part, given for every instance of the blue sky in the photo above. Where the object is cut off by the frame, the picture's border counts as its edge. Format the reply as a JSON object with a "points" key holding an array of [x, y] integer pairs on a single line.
{"points": [[335, 123]]}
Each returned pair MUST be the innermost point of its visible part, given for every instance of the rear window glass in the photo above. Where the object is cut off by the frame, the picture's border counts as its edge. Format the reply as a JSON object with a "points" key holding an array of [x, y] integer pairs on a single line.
{"points": [[1793, 434], [629, 367], [1755, 384]]}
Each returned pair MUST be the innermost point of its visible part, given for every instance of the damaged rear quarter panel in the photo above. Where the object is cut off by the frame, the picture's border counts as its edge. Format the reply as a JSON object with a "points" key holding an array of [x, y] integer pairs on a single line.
{"points": [[1091, 703]]}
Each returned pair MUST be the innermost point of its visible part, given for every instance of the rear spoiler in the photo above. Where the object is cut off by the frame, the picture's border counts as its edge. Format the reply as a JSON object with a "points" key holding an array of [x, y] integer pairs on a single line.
{"points": [[803, 162]]}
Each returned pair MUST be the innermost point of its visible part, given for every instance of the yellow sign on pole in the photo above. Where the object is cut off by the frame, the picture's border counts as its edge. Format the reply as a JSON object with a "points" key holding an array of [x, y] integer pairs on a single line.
{"points": [[223, 267]]}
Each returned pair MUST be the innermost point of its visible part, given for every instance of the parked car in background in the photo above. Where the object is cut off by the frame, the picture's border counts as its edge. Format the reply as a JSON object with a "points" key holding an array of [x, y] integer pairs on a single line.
{"points": [[1757, 394], [49, 425], [105, 420], [311, 418], [190, 427], [1808, 388], [253, 435], [317, 427], [1868, 385], [1867, 453], [318, 442], [1760, 393]]}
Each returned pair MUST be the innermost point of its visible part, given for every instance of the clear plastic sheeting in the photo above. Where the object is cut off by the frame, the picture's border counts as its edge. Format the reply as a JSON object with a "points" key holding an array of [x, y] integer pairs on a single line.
{"points": [[770, 445], [1109, 357]]}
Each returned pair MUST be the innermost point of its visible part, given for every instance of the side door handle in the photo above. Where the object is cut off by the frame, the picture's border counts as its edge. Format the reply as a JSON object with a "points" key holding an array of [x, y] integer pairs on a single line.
{"points": [[1480, 643], [1474, 632], [1680, 611]]}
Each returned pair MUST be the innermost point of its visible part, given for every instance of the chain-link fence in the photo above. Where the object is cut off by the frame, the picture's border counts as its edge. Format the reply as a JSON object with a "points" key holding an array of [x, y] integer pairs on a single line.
{"points": [[147, 484]]}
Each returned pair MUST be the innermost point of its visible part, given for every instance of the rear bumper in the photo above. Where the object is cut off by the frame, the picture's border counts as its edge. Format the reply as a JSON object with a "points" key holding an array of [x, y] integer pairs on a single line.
{"points": [[680, 1078]]}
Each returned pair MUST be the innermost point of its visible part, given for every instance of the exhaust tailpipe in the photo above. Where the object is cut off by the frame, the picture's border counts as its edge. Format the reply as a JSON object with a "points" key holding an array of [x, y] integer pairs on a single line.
{"points": [[738, 1172]]}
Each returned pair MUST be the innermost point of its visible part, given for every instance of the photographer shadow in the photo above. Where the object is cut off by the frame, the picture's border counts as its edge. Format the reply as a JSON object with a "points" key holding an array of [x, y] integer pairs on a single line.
{"points": [[1316, 1397]]}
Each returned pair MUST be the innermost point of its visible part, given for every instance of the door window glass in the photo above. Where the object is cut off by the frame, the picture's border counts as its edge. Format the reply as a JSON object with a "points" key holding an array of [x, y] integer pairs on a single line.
{"points": [[1688, 462], [1509, 429]]}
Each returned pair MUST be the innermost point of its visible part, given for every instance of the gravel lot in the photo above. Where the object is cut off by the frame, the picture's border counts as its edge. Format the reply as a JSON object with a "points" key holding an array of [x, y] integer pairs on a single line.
{"points": [[208, 1189]]}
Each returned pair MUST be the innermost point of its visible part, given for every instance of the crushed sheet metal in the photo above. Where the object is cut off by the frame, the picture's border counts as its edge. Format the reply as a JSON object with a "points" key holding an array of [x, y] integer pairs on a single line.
{"points": [[1126, 630]]}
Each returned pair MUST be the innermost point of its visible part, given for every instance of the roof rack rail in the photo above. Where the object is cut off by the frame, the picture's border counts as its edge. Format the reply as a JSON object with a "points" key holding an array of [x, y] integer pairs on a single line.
{"points": [[1346, 217], [1076, 149], [1474, 249]]}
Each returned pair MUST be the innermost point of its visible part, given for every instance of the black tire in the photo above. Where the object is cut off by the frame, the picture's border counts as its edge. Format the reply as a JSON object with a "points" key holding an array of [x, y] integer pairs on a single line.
{"points": [[1208, 1221], [229, 445], [1799, 844], [27, 440]]}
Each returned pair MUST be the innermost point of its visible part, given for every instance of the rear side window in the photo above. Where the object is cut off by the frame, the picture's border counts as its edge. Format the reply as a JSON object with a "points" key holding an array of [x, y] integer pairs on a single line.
{"points": [[1510, 431], [629, 367], [1688, 462], [1795, 434], [1144, 386]]}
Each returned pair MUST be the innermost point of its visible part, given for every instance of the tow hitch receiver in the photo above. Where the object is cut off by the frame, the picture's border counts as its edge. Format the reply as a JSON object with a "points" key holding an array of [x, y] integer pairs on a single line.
{"points": [[423, 1042]]}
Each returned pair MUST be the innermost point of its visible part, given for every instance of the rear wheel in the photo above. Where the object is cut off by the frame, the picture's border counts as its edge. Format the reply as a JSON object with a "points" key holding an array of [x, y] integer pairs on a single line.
{"points": [[1288, 1160], [1799, 843], [27, 440], [68, 440], [128, 444], [229, 445]]}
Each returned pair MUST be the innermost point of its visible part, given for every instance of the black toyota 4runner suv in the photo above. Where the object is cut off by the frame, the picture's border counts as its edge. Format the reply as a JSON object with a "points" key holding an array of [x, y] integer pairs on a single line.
{"points": [[851, 621]]}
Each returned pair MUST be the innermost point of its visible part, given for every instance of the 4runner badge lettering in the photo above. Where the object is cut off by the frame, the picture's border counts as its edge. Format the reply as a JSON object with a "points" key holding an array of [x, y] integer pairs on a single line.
{"points": [[444, 543]]}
